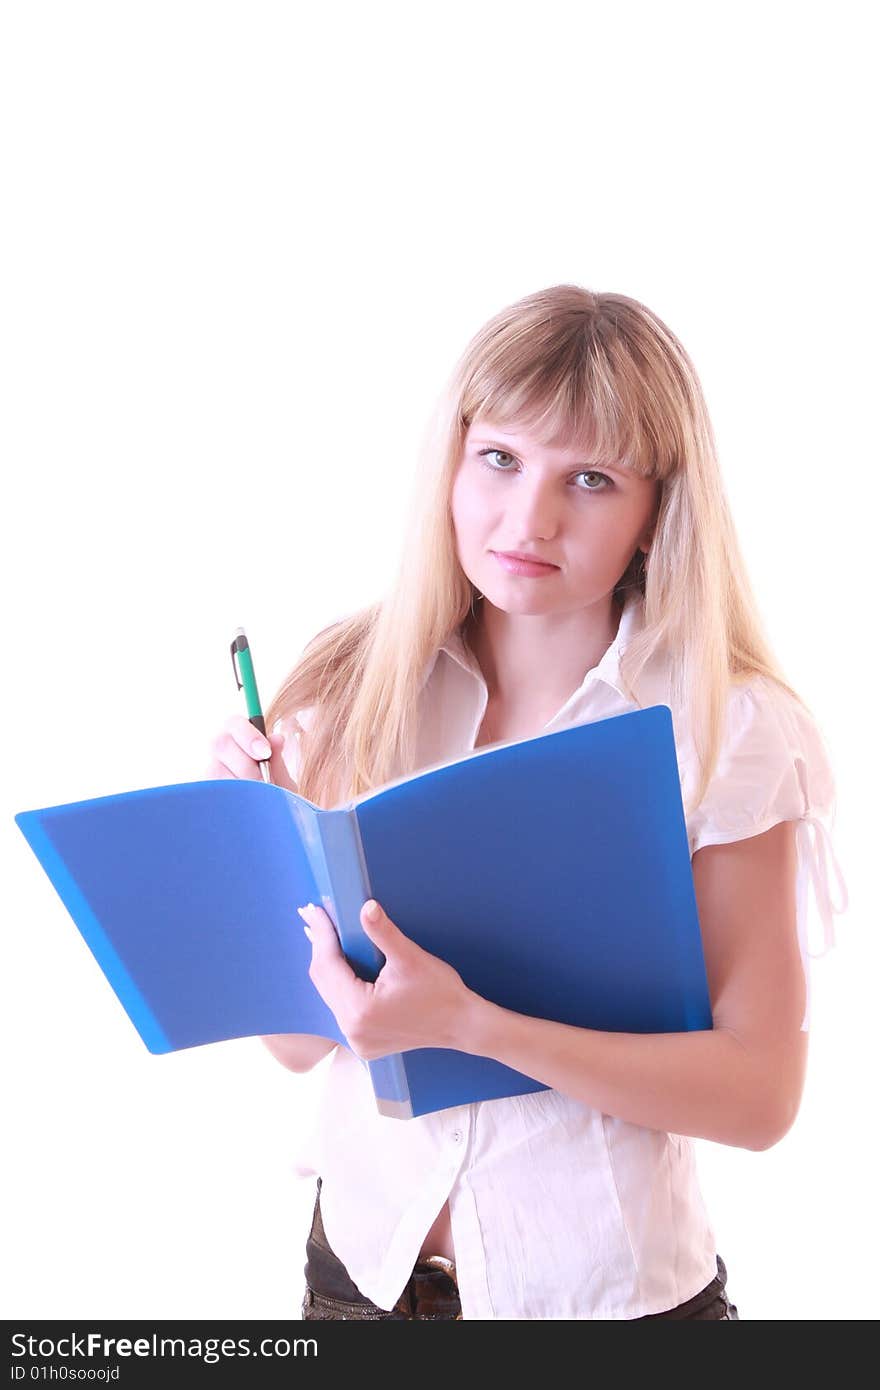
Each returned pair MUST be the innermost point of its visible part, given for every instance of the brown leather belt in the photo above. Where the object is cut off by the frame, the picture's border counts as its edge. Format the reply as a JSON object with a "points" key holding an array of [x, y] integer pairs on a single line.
{"points": [[432, 1291]]}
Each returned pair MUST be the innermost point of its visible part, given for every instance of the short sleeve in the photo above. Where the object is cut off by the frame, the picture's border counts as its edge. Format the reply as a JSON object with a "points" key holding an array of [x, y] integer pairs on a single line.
{"points": [[774, 766], [291, 751]]}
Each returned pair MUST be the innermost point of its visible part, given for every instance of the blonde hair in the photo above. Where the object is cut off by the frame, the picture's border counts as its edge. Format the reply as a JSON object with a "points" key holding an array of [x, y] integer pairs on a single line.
{"points": [[573, 367]]}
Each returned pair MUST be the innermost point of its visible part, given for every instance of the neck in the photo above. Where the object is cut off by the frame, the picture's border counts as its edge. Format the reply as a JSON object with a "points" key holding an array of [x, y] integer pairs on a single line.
{"points": [[532, 660]]}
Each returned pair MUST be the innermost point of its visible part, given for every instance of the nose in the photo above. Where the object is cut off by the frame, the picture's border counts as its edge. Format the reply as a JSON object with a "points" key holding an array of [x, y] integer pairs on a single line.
{"points": [[537, 511]]}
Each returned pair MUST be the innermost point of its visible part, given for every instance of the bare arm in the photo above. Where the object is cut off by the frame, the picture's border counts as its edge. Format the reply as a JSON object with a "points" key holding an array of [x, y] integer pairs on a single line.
{"points": [[298, 1051], [738, 1084]]}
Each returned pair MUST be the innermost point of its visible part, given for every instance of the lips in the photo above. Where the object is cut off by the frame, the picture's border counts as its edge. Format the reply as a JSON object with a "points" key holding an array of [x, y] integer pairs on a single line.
{"points": [[529, 559], [528, 568]]}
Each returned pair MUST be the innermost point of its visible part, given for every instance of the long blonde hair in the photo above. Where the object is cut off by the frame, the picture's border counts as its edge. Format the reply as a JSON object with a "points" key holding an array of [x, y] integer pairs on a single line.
{"points": [[573, 367]]}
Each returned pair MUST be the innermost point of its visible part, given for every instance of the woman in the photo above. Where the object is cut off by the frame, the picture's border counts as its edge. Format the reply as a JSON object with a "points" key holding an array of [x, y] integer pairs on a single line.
{"points": [[574, 432]]}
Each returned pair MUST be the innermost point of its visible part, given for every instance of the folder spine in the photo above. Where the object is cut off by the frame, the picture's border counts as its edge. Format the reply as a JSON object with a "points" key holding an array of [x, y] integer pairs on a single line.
{"points": [[344, 878]]}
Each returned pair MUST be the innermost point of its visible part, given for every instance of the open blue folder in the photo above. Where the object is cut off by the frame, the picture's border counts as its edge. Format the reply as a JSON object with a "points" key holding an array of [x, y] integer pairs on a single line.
{"points": [[553, 873]]}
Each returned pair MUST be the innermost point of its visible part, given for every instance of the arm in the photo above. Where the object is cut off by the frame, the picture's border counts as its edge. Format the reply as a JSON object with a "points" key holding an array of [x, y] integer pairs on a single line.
{"points": [[740, 1083], [298, 1051]]}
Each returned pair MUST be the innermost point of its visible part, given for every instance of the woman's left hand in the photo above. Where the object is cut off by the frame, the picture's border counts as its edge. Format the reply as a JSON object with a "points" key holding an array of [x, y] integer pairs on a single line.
{"points": [[417, 1000]]}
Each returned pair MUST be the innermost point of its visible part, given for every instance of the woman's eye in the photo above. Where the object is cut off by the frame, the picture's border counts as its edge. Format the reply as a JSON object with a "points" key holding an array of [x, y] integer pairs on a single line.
{"points": [[586, 473], [591, 473], [486, 452]]}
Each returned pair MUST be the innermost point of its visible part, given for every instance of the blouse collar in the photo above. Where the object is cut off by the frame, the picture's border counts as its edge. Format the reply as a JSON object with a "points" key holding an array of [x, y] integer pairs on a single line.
{"points": [[632, 620]]}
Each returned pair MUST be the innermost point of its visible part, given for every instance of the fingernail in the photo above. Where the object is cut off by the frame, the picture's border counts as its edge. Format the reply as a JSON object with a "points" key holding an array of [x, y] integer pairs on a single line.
{"points": [[372, 910], [308, 933], [260, 748]]}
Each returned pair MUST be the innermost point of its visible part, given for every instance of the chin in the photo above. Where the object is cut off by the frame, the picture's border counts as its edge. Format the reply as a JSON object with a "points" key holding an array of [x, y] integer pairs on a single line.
{"points": [[524, 604]]}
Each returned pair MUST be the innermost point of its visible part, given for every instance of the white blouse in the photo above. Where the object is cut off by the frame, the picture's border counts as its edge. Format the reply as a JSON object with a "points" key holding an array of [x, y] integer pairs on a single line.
{"points": [[557, 1210]]}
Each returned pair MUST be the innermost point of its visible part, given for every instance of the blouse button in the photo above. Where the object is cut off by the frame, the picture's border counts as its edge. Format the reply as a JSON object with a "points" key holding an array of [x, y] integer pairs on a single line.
{"points": [[456, 1136]]}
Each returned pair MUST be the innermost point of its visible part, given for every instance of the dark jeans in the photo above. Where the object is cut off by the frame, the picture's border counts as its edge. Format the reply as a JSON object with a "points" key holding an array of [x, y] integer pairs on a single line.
{"points": [[432, 1292]]}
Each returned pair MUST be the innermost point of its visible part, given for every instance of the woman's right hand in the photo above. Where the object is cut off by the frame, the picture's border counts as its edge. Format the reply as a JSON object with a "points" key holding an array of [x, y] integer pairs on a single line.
{"points": [[233, 753]]}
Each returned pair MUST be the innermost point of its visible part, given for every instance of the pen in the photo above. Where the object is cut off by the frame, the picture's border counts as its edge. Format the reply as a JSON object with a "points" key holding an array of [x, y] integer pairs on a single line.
{"points": [[248, 683]]}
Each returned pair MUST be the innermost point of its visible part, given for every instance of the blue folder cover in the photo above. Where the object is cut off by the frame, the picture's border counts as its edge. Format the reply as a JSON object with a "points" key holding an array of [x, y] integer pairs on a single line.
{"points": [[553, 873]]}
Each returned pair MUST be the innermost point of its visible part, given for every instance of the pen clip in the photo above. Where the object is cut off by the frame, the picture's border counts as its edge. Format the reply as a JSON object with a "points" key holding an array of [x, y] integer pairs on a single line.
{"points": [[239, 644]]}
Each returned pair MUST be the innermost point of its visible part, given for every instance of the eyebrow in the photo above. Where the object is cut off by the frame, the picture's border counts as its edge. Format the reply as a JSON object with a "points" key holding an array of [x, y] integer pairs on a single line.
{"points": [[510, 449]]}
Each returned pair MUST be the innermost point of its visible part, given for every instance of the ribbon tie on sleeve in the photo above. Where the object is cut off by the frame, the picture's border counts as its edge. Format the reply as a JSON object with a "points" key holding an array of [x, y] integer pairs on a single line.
{"points": [[814, 852]]}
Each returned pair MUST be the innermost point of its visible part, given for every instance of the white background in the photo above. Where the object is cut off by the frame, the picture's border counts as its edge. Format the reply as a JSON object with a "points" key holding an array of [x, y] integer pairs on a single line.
{"points": [[243, 245]]}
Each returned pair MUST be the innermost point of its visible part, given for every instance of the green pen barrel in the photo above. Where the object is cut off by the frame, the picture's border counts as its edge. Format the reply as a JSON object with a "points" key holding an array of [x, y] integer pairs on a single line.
{"points": [[249, 683]]}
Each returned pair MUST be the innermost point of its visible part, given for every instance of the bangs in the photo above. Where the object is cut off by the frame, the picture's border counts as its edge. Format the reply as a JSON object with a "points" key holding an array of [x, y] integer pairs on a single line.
{"points": [[585, 393]]}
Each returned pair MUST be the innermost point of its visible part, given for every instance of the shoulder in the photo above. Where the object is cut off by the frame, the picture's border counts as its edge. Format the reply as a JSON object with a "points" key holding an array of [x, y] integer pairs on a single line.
{"points": [[767, 721], [773, 765], [293, 726]]}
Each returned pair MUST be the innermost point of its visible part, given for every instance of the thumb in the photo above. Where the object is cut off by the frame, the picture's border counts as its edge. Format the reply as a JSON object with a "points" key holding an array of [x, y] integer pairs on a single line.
{"points": [[379, 927]]}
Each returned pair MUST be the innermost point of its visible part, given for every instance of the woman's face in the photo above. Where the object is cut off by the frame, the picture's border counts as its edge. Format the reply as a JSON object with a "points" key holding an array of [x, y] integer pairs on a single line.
{"points": [[510, 493]]}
